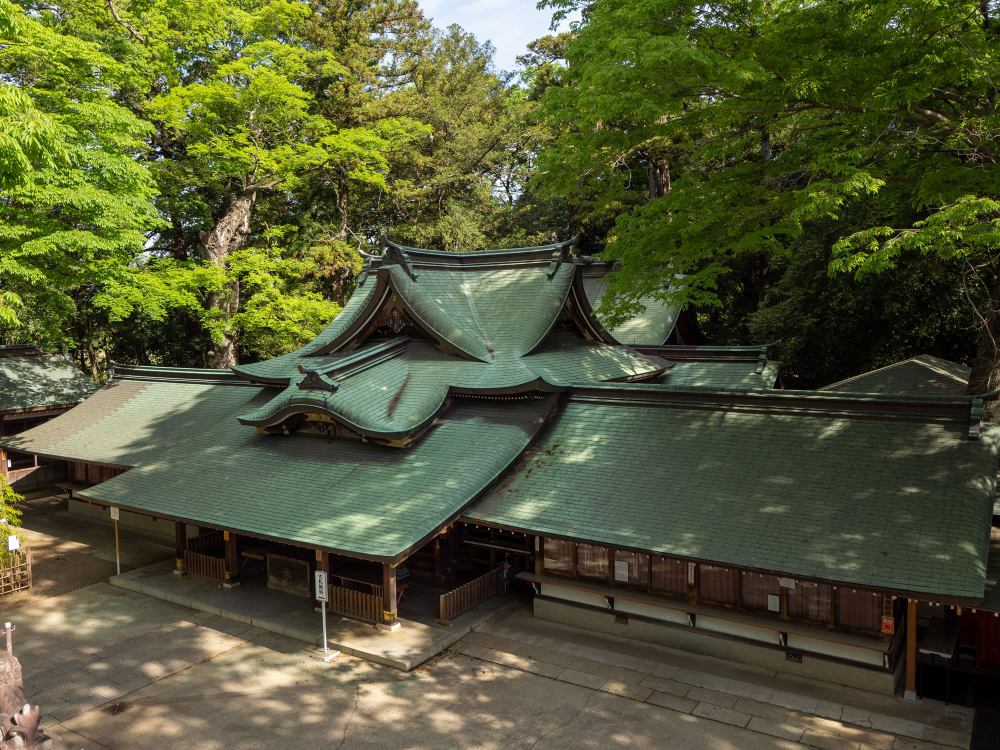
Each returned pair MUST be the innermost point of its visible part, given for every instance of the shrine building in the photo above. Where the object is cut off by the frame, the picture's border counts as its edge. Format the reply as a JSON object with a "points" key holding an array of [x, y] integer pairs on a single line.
{"points": [[467, 409], [35, 386]]}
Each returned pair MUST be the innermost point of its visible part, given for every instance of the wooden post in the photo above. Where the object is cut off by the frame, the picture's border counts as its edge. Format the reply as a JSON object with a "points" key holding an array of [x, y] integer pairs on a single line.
{"points": [[910, 694], [232, 576], [180, 544], [438, 565], [539, 555], [389, 614]]}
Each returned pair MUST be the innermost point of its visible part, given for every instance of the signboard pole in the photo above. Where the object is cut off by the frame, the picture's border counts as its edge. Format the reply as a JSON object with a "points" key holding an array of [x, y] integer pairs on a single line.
{"points": [[118, 560], [322, 597]]}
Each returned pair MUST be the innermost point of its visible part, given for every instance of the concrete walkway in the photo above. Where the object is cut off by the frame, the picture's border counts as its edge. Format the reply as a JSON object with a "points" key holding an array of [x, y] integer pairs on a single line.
{"points": [[805, 711], [254, 604]]}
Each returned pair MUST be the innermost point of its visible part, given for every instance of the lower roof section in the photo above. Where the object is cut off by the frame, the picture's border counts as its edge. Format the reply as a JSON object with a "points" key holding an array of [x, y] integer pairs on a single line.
{"points": [[194, 463], [892, 496]]}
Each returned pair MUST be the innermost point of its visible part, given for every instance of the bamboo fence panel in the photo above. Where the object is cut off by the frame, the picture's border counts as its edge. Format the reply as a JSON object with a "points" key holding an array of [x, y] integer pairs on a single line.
{"points": [[16, 574]]}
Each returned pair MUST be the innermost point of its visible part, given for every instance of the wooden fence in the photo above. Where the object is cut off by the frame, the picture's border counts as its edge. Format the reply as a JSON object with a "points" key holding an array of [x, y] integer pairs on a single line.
{"points": [[468, 596], [211, 541], [356, 604], [16, 574], [204, 566]]}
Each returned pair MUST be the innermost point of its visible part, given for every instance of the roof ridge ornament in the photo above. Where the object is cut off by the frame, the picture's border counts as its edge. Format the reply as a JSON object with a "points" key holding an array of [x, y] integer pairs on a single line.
{"points": [[393, 254], [562, 253]]}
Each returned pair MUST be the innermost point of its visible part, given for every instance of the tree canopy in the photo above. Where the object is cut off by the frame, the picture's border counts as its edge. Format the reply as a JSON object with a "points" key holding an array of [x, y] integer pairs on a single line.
{"points": [[193, 183]]}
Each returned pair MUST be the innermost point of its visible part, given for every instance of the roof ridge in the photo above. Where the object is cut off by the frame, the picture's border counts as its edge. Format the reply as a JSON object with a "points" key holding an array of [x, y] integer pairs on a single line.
{"points": [[193, 375]]}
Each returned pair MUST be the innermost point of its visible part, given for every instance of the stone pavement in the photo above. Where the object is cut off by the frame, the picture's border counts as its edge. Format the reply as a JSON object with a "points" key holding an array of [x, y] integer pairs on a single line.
{"points": [[81, 650], [293, 616], [557, 652]]}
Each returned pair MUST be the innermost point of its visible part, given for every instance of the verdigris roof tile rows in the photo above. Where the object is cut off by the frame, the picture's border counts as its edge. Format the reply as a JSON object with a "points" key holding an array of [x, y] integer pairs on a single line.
{"points": [[923, 374], [875, 501], [31, 378], [487, 324], [652, 327], [343, 495]]}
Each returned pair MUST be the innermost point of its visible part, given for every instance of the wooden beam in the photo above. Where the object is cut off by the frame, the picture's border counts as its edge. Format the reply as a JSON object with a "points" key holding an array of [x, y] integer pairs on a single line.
{"points": [[180, 544], [910, 694], [232, 561]]}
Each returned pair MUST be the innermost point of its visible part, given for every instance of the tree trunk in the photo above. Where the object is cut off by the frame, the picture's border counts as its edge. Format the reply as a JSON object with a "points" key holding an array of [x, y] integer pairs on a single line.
{"points": [[92, 356], [657, 173], [341, 193], [985, 375], [227, 236]]}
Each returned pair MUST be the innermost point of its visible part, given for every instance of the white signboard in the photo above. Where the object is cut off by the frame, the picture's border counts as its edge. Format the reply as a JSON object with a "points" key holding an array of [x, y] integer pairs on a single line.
{"points": [[13, 543], [114, 514], [690, 572], [773, 603], [321, 586], [788, 583], [621, 571]]}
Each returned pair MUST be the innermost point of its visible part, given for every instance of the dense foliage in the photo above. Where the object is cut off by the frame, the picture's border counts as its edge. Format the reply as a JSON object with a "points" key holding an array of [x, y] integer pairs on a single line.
{"points": [[192, 183]]}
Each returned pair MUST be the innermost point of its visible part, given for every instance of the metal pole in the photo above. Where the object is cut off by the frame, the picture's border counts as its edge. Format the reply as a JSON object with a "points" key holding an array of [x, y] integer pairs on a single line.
{"points": [[118, 559], [323, 610]]}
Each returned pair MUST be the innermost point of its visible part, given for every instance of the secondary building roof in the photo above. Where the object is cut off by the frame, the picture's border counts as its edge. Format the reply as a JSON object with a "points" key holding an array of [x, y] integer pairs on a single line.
{"points": [[923, 374], [873, 492], [31, 378], [195, 463]]}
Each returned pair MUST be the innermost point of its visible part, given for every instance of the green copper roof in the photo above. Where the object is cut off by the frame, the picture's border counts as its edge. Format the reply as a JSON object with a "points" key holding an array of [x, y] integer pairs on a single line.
{"points": [[30, 378], [923, 374], [194, 463], [772, 483], [652, 328]]}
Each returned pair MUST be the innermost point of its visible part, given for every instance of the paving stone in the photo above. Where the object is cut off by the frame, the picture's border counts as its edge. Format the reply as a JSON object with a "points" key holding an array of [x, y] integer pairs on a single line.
{"points": [[635, 692], [828, 741], [134, 684], [42, 681], [711, 696], [581, 678], [502, 657], [718, 713], [475, 637], [666, 686], [618, 674], [673, 702], [775, 729], [858, 716], [542, 668], [909, 743], [793, 701], [470, 649], [872, 738], [947, 737], [723, 684], [895, 725], [829, 710], [500, 644]]}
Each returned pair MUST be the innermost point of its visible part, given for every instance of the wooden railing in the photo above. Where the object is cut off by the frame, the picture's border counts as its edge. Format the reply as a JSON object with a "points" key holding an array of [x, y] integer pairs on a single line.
{"points": [[355, 604], [204, 566], [205, 543], [468, 596], [16, 574]]}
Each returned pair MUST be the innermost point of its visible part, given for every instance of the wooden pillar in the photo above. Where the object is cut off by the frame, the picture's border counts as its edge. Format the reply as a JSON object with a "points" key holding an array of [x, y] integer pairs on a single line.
{"points": [[389, 621], [539, 555], [232, 561], [438, 563], [180, 544], [910, 694]]}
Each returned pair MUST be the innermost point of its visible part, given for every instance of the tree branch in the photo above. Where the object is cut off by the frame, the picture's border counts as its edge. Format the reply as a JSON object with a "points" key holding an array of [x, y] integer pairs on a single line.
{"points": [[125, 24]]}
